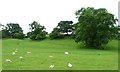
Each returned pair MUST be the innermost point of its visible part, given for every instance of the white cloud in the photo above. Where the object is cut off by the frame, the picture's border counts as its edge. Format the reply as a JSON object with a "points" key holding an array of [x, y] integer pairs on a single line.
{"points": [[48, 12]]}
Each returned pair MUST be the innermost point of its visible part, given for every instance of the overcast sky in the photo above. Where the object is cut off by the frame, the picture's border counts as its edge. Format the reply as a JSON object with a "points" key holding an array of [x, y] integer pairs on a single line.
{"points": [[48, 12]]}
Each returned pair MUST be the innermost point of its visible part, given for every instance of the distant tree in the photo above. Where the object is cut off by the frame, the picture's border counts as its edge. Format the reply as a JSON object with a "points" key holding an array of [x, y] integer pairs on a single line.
{"points": [[19, 35], [10, 30], [55, 34], [95, 27], [5, 33], [13, 28], [37, 31], [65, 26]]}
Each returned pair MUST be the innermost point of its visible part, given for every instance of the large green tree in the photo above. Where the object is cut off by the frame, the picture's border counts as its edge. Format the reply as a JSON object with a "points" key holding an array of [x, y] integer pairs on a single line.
{"points": [[13, 28], [65, 26], [37, 31], [10, 30], [95, 27]]}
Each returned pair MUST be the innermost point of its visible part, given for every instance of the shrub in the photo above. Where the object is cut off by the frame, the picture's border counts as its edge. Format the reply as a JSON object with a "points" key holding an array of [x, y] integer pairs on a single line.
{"points": [[56, 35], [19, 35]]}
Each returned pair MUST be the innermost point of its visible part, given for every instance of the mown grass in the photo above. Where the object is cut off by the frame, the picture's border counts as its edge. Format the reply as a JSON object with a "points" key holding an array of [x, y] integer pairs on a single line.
{"points": [[80, 57]]}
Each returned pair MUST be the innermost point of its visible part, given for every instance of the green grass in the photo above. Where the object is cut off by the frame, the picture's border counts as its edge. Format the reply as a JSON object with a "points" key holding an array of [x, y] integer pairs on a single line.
{"points": [[80, 57]]}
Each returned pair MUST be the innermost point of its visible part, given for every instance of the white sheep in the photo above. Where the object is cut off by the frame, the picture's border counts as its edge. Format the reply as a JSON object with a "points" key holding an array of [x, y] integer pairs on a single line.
{"points": [[69, 65], [13, 53], [28, 52], [51, 66], [66, 53], [8, 60], [50, 56], [21, 57]]}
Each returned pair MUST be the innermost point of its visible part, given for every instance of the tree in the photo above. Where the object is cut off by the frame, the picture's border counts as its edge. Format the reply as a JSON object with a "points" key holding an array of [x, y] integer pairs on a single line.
{"points": [[65, 26], [19, 35], [95, 27], [55, 34], [37, 31], [5, 33], [13, 28], [10, 30]]}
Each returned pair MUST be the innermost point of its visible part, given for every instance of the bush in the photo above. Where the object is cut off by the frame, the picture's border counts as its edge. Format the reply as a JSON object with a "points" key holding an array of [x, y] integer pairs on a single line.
{"points": [[28, 34], [5, 34], [19, 35], [56, 35], [32, 37], [39, 36], [95, 27]]}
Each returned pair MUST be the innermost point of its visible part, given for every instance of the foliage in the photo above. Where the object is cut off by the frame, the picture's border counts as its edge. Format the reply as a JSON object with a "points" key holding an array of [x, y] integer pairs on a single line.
{"points": [[116, 34], [56, 34], [29, 34], [11, 30], [19, 35], [95, 27], [65, 26], [5, 33], [62, 28], [37, 31]]}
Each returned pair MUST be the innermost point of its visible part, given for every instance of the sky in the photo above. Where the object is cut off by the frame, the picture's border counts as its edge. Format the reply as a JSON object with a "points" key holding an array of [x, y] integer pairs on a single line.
{"points": [[48, 12]]}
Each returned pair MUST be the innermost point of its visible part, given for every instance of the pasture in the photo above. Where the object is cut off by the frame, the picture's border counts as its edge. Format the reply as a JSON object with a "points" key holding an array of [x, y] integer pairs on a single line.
{"points": [[51, 52]]}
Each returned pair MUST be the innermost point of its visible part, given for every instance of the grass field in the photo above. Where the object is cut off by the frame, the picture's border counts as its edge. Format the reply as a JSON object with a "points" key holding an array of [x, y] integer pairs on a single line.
{"points": [[80, 57]]}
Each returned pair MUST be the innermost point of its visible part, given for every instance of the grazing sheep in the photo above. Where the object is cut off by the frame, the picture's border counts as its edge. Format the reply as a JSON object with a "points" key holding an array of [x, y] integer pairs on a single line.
{"points": [[50, 56], [13, 53], [21, 57], [28, 52], [66, 53], [69, 65], [51, 66], [8, 60]]}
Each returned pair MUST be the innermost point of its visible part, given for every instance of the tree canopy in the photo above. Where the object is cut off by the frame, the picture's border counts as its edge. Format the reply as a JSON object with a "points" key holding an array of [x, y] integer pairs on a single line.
{"points": [[65, 26], [95, 27], [11, 29], [37, 31]]}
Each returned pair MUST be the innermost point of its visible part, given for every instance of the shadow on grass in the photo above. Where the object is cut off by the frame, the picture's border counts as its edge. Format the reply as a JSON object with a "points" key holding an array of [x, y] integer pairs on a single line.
{"points": [[108, 48]]}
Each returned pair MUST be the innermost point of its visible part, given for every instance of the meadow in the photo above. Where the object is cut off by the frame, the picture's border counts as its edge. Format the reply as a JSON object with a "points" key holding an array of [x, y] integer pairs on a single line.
{"points": [[80, 57]]}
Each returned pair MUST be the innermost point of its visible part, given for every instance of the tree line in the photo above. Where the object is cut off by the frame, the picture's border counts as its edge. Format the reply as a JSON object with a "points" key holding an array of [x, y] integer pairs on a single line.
{"points": [[95, 28]]}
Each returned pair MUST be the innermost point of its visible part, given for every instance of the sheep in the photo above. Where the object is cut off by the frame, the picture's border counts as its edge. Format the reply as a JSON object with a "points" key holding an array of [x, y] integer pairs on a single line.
{"points": [[21, 57], [51, 66], [28, 52], [8, 60], [69, 65], [66, 53], [50, 56], [13, 53]]}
